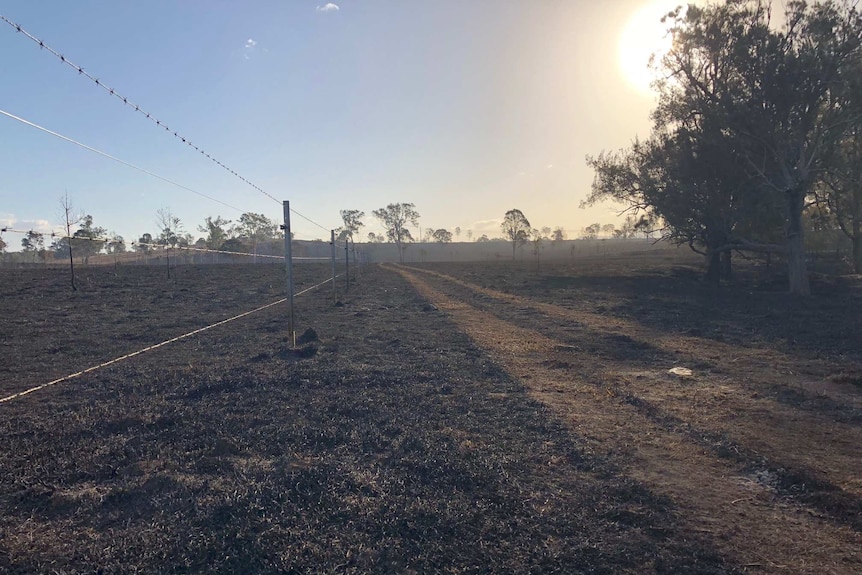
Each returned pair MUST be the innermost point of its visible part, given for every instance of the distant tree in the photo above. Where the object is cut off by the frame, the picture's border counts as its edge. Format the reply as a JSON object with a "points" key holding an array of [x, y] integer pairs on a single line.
{"points": [[483, 238], [442, 236], [170, 228], [216, 232], [428, 237], [469, 235], [591, 232], [70, 218], [257, 228], [145, 244], [395, 218], [352, 220], [558, 235], [516, 228], [457, 233], [88, 240], [537, 238], [608, 229], [2, 246], [33, 243], [116, 244], [375, 238], [628, 228]]}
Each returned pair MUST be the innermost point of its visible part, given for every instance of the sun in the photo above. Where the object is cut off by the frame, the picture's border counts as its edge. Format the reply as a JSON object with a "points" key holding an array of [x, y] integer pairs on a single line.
{"points": [[644, 36]]}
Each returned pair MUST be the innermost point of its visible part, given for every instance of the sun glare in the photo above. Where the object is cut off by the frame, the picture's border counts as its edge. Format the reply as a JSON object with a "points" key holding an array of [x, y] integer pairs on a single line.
{"points": [[643, 36]]}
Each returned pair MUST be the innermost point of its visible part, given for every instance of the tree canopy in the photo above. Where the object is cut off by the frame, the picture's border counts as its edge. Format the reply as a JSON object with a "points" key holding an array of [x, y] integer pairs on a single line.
{"points": [[750, 119], [395, 218], [256, 228], [516, 228], [352, 224]]}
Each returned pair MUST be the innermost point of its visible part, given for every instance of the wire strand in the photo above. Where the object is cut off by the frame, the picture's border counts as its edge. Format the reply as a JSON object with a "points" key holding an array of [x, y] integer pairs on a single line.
{"points": [[146, 114], [156, 346], [118, 160], [132, 105]]}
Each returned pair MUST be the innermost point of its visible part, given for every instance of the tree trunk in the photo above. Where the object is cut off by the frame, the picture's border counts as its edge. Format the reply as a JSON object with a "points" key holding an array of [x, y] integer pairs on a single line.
{"points": [[797, 273], [72, 267], [713, 267], [726, 265], [857, 246]]}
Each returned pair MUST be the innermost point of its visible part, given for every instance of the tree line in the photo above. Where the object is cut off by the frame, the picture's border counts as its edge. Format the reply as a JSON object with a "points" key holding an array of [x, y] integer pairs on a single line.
{"points": [[756, 135]]}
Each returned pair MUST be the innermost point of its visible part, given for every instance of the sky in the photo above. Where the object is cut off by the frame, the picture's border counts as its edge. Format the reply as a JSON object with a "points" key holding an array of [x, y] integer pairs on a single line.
{"points": [[464, 108]]}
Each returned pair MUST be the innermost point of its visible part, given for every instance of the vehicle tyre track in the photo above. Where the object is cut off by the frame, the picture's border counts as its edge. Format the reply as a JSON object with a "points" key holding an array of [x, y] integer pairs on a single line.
{"points": [[713, 494]]}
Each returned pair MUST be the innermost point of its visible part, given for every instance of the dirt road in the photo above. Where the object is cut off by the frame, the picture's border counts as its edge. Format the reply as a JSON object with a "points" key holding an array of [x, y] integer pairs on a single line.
{"points": [[771, 484]]}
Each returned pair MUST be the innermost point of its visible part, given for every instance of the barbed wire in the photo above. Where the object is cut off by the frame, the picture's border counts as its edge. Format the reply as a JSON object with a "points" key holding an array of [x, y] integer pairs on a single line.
{"points": [[212, 251], [148, 115], [132, 105]]}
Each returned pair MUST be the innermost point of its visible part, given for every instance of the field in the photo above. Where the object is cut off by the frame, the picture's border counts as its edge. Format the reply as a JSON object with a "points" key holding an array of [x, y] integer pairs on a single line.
{"points": [[442, 418]]}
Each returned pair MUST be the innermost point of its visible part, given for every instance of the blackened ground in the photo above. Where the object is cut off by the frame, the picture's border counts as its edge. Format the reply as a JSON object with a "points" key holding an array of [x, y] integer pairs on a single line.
{"points": [[398, 447]]}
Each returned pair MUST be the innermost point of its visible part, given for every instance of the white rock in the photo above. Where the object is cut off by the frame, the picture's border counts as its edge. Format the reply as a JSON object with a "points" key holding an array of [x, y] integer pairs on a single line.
{"points": [[680, 371]]}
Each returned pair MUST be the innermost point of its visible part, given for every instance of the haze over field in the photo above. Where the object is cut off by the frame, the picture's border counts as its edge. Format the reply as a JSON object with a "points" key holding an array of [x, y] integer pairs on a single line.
{"points": [[466, 109]]}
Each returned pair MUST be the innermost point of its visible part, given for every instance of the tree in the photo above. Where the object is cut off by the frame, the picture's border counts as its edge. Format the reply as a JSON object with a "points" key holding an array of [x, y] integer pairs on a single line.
{"points": [[2, 246], [70, 218], [558, 235], [33, 243], [457, 233], [688, 184], [116, 244], [257, 228], [537, 237], [216, 232], [170, 229], [88, 240], [591, 232], [469, 235], [395, 218], [775, 94], [442, 236], [428, 237], [516, 228], [145, 244], [627, 229], [840, 191], [352, 223], [483, 238]]}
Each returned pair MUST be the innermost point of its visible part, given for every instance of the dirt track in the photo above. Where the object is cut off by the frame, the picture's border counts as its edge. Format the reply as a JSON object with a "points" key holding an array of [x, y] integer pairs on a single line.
{"points": [[728, 456]]}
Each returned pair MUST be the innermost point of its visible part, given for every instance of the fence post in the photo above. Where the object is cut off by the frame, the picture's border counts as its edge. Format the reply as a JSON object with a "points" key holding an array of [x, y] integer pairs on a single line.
{"points": [[332, 244], [288, 264]]}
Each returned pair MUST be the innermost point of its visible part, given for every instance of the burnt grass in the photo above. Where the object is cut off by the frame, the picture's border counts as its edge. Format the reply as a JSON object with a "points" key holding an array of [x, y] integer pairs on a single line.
{"points": [[387, 443]]}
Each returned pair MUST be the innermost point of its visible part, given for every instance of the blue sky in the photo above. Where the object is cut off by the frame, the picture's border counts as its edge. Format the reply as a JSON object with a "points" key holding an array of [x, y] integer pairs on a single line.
{"points": [[464, 108]]}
